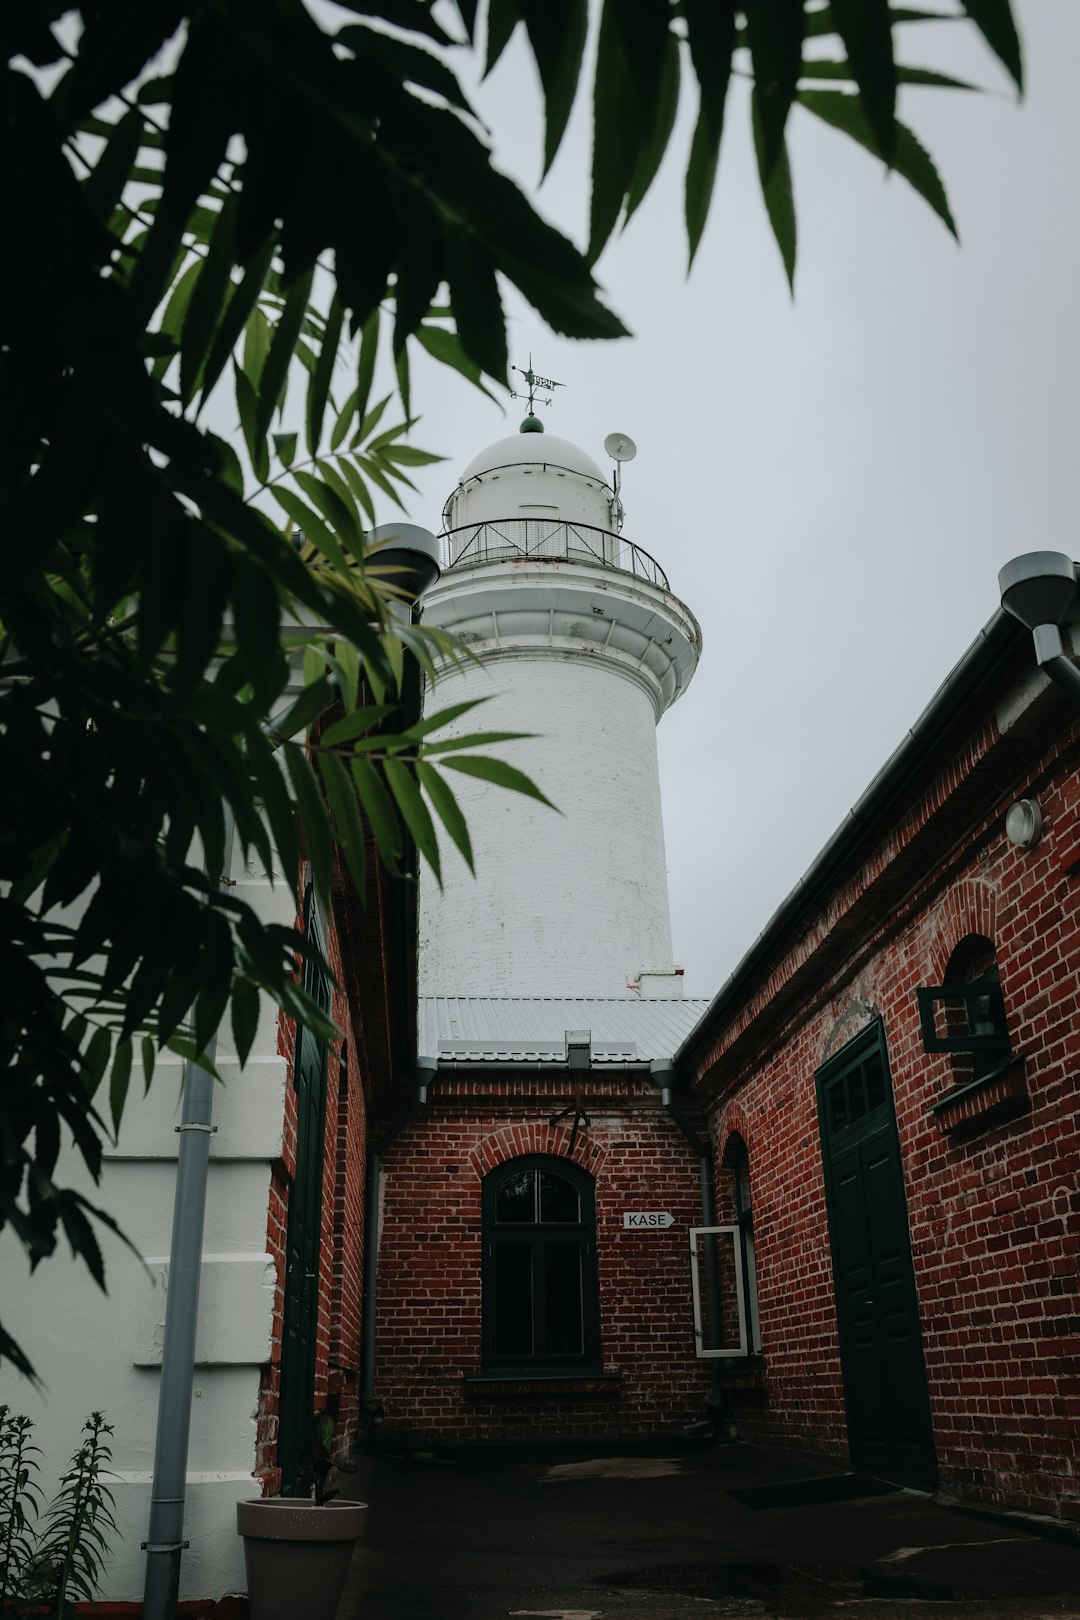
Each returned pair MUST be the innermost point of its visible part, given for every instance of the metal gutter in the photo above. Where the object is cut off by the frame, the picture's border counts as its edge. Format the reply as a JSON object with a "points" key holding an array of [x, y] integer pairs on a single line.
{"points": [[999, 636]]}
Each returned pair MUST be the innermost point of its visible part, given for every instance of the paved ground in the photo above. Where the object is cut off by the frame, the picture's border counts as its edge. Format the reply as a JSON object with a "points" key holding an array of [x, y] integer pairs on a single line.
{"points": [[652, 1533]]}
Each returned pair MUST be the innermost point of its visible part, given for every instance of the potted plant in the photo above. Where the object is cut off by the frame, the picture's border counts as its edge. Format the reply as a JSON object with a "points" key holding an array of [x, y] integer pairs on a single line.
{"points": [[297, 1549]]}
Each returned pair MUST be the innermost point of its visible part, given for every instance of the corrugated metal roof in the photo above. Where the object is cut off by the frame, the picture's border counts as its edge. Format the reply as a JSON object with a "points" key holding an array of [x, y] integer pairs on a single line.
{"points": [[533, 1029]]}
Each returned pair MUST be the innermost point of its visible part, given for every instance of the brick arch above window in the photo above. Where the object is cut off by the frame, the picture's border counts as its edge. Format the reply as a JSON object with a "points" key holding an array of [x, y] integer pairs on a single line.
{"points": [[969, 908], [859, 1012], [531, 1137]]}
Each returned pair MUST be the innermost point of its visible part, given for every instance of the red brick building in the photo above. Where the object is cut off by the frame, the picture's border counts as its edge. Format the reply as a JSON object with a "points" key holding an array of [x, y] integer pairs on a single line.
{"points": [[316, 1217], [889, 1078], [523, 1294]]}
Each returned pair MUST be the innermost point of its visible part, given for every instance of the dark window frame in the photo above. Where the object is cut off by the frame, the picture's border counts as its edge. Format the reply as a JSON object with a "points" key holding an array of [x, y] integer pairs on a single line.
{"points": [[972, 1011], [537, 1236]]}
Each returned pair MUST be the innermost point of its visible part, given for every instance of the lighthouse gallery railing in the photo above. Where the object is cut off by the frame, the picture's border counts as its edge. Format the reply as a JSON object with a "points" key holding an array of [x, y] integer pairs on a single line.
{"points": [[542, 540]]}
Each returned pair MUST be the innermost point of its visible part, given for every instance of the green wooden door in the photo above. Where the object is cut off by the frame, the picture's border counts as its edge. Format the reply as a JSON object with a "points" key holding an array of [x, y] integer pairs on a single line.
{"points": [[301, 1306], [888, 1405]]}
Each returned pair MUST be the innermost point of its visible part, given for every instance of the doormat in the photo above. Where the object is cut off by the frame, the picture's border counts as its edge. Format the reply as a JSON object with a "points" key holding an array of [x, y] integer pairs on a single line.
{"points": [[807, 1492]]}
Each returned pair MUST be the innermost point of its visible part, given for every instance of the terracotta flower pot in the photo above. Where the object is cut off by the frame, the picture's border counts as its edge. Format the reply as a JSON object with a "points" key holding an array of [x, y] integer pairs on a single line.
{"points": [[297, 1554]]}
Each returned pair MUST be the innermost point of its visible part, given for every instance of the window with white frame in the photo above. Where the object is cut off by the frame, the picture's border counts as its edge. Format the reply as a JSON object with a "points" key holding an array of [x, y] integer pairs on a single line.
{"points": [[723, 1272]]}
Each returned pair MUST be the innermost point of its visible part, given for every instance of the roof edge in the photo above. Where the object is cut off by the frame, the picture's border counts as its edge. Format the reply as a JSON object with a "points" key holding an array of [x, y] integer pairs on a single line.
{"points": [[997, 638]]}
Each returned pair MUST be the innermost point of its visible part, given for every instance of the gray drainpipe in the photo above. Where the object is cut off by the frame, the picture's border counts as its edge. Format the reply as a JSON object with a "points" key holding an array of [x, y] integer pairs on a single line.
{"points": [[664, 1074], [164, 1538], [425, 1073], [165, 1535]]}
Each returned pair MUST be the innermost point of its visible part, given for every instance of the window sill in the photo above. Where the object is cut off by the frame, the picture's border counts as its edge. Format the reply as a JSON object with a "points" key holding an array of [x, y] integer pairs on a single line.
{"points": [[999, 1095], [737, 1366], [550, 1382]]}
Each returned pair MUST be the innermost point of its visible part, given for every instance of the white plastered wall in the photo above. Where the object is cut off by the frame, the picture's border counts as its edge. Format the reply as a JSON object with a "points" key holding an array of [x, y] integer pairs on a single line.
{"points": [[96, 1351]]}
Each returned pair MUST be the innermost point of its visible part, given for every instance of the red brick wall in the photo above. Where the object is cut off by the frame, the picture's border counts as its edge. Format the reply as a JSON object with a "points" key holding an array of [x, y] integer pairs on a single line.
{"points": [[994, 1209], [337, 1370], [429, 1324]]}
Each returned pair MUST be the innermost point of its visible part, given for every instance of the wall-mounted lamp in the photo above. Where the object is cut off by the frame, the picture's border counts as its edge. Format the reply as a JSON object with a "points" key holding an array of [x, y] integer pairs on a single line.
{"points": [[1024, 823]]}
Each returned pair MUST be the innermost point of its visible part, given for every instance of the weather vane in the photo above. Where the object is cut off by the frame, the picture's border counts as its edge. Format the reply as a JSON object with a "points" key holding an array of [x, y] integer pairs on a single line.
{"points": [[534, 381]]}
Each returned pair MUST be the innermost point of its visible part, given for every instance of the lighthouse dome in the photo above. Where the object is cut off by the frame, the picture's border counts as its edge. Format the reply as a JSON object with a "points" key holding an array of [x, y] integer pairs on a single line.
{"points": [[532, 475]]}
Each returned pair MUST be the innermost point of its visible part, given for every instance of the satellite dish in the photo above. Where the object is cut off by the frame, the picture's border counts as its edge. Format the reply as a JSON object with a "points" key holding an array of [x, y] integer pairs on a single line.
{"points": [[620, 447]]}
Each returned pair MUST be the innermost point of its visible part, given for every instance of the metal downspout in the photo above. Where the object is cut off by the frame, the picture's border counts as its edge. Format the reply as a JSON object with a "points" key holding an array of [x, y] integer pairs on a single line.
{"points": [[664, 1073], [369, 1310], [164, 1540]]}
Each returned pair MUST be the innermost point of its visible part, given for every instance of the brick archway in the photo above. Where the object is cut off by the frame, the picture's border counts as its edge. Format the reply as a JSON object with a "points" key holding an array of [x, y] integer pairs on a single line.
{"points": [[969, 908], [537, 1136]]}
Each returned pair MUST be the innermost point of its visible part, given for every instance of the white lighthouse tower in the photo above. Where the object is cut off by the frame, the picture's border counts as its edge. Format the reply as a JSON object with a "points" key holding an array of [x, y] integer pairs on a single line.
{"points": [[578, 641]]}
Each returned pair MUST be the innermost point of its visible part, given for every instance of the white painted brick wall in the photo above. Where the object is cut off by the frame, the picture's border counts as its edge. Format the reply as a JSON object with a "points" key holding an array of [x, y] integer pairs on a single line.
{"points": [[570, 904]]}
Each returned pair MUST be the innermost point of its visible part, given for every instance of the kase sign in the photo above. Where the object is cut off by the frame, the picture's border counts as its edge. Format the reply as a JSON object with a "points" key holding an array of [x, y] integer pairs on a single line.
{"points": [[646, 1220]]}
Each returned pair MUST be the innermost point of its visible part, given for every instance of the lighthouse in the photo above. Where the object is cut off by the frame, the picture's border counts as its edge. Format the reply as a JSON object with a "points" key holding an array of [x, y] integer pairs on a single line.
{"points": [[577, 640]]}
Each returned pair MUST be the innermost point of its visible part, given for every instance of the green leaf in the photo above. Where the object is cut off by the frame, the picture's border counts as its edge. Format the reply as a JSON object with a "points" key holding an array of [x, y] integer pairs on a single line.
{"points": [[95, 1060], [626, 90], [149, 1053], [865, 26], [354, 724], [776, 190], [247, 406], [446, 808], [207, 301], [245, 1016], [910, 159], [445, 347], [276, 803], [340, 516], [312, 813], [414, 812], [652, 153], [119, 1080], [501, 774], [503, 17], [319, 387], [355, 480], [474, 739], [557, 32], [282, 348], [710, 26], [238, 312], [775, 32], [285, 447], [105, 185], [173, 316], [445, 717], [379, 809], [995, 22], [306, 518], [830, 70], [350, 829]]}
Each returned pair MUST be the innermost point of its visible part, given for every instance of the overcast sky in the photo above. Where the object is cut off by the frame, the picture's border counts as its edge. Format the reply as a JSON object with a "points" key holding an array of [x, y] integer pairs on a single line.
{"points": [[830, 484]]}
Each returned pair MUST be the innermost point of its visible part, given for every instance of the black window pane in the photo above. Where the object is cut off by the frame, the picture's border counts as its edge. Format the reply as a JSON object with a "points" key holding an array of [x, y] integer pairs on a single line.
{"points": [[558, 1198], [856, 1095], [513, 1299], [562, 1286], [515, 1199], [837, 1105], [874, 1071]]}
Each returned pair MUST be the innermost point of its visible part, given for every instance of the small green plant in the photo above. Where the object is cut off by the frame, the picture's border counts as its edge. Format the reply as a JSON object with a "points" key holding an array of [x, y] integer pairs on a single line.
{"points": [[53, 1558], [20, 1502]]}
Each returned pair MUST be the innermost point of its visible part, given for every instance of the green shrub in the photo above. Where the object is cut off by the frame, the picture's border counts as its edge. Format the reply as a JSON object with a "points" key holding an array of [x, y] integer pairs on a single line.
{"points": [[53, 1556]]}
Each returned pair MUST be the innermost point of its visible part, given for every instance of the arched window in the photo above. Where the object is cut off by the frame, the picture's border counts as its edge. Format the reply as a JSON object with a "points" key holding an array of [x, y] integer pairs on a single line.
{"points": [[739, 1161], [540, 1295], [971, 1021]]}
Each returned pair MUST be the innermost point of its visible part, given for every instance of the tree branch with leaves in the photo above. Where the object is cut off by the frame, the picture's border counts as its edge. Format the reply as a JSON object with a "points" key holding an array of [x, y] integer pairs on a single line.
{"points": [[243, 194]]}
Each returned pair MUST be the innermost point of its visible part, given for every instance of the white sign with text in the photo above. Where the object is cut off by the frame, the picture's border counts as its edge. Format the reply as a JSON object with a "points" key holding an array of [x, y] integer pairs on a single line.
{"points": [[646, 1220]]}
